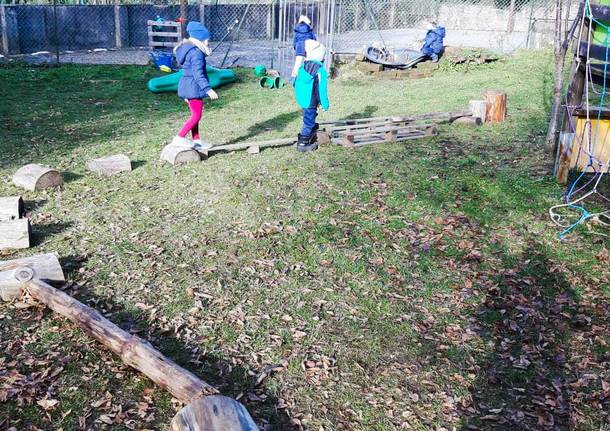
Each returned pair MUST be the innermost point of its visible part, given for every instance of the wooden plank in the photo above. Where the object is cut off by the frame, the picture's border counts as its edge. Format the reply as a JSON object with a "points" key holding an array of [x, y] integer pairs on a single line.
{"points": [[15, 234], [163, 34], [163, 23], [163, 44], [11, 208]]}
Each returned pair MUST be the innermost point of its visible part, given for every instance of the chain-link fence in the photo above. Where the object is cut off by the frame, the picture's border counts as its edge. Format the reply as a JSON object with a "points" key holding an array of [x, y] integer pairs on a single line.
{"points": [[248, 32]]}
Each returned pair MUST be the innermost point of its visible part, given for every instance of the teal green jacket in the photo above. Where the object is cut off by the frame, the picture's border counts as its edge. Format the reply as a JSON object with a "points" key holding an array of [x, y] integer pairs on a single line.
{"points": [[311, 86]]}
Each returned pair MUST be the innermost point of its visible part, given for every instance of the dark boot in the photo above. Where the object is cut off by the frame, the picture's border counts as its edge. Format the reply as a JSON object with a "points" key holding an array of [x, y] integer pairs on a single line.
{"points": [[307, 143]]}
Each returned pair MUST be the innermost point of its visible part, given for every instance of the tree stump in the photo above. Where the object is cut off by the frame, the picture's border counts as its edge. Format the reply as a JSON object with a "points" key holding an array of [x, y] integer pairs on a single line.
{"points": [[178, 154], [11, 208], [478, 108], [495, 111], [15, 234], [110, 165], [47, 268], [37, 177]]}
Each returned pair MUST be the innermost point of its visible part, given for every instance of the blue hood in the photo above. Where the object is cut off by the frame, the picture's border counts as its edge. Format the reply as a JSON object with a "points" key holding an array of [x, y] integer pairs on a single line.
{"points": [[440, 31], [182, 50], [304, 29]]}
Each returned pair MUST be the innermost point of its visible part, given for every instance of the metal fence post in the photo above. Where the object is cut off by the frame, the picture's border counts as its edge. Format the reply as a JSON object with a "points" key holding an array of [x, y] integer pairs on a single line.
{"points": [[118, 36], [56, 31], [4, 30]]}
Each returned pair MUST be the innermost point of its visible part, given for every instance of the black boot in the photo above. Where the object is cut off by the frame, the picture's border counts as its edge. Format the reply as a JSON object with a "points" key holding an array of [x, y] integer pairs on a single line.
{"points": [[306, 144]]}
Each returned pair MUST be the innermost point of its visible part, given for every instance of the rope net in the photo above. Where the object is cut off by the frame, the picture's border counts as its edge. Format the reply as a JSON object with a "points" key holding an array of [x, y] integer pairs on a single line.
{"points": [[587, 199]]}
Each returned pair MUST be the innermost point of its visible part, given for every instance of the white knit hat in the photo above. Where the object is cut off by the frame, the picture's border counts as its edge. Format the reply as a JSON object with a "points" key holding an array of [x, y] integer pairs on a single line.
{"points": [[314, 50], [305, 19]]}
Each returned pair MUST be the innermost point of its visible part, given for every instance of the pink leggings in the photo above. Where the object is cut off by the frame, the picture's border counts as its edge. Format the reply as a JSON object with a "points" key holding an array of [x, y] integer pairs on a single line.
{"points": [[192, 124]]}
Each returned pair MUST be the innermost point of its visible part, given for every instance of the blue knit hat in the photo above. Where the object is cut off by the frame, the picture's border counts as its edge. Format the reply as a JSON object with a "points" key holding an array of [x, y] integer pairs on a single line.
{"points": [[198, 31]]}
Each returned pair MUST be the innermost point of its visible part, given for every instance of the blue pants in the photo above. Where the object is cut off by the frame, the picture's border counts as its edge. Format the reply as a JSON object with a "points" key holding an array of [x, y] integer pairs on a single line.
{"points": [[309, 121]]}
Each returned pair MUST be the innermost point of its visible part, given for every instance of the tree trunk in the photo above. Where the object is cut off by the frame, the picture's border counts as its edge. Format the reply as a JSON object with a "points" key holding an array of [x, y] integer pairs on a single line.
{"points": [[495, 106], [560, 55]]}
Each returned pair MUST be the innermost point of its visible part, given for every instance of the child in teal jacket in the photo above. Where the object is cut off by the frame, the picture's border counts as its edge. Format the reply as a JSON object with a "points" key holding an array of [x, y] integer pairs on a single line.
{"points": [[311, 88]]}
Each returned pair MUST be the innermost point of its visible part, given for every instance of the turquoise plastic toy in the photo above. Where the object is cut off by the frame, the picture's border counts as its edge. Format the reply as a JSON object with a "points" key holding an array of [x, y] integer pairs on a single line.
{"points": [[169, 83]]}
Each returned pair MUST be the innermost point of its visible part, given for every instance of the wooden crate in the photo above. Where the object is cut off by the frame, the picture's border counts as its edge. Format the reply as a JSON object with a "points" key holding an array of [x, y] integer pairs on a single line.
{"points": [[169, 36], [599, 146]]}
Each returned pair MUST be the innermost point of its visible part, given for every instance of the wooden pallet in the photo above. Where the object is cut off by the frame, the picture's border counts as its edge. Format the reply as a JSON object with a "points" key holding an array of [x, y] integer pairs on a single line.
{"points": [[381, 135], [171, 34], [433, 117]]}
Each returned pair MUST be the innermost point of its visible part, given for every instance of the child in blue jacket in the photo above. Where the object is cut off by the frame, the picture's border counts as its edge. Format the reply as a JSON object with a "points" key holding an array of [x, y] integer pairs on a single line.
{"points": [[311, 88], [194, 84], [302, 33], [433, 44]]}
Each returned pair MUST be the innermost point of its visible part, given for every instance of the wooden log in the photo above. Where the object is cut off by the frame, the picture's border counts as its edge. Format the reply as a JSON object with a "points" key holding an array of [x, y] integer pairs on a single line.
{"points": [[11, 208], [255, 149], [134, 351], [37, 177], [217, 412], [110, 165], [469, 121], [323, 137], [179, 154], [478, 108], [495, 111], [46, 266], [15, 234]]}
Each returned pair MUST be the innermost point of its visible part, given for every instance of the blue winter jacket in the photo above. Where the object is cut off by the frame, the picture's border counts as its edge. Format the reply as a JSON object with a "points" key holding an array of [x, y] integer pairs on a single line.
{"points": [[195, 83], [302, 32], [311, 86], [433, 45]]}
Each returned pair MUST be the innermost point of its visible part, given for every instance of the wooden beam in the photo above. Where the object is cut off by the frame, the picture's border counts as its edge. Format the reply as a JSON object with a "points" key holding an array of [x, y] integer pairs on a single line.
{"points": [[244, 146]]}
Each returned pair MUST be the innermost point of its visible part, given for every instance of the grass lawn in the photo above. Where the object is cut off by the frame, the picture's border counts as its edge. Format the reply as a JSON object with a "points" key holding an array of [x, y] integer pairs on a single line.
{"points": [[414, 286]]}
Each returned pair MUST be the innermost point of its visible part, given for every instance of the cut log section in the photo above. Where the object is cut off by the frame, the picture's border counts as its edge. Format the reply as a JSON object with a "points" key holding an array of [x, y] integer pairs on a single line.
{"points": [[11, 208], [179, 154], [495, 106], [37, 177], [323, 138], [217, 412], [469, 121], [478, 109], [47, 268], [110, 165], [15, 234]]}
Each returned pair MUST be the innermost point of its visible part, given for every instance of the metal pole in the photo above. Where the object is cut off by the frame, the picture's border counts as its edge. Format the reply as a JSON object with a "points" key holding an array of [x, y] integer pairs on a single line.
{"points": [[56, 32]]}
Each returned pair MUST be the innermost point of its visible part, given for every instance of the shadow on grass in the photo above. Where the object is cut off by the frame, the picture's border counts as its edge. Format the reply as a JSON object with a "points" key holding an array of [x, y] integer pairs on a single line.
{"points": [[529, 319], [42, 232], [277, 123], [367, 112]]}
